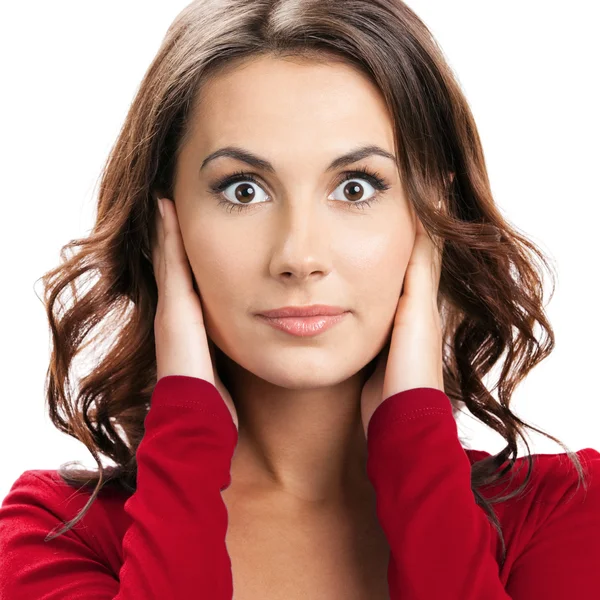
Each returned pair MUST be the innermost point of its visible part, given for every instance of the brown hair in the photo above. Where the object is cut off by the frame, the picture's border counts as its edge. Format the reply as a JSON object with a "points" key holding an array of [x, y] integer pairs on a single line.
{"points": [[491, 289]]}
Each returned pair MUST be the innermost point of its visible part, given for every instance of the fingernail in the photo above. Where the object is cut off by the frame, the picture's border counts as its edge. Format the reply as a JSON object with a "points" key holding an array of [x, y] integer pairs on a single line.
{"points": [[160, 208]]}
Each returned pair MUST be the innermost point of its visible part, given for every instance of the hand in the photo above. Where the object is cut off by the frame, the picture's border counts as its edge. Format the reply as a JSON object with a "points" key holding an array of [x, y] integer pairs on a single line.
{"points": [[413, 357], [182, 346]]}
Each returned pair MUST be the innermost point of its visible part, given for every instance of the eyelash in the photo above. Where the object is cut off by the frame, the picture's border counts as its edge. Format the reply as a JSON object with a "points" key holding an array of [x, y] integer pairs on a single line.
{"points": [[373, 177]]}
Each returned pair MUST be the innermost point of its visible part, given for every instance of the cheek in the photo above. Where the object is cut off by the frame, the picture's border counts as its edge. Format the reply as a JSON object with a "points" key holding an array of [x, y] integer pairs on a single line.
{"points": [[383, 268], [222, 274], [376, 267]]}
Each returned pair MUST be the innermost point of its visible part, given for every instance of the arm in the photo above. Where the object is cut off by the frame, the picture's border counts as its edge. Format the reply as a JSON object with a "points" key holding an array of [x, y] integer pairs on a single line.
{"points": [[175, 546], [440, 539]]}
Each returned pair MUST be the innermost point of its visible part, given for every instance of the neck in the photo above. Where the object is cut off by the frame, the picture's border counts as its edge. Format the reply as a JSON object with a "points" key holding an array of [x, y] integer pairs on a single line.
{"points": [[305, 444]]}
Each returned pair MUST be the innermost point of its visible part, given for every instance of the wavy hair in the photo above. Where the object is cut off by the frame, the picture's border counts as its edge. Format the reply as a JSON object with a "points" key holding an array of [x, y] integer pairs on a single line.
{"points": [[491, 286]]}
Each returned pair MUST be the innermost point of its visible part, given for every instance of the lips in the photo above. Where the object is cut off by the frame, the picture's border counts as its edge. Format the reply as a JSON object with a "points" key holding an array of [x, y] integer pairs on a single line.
{"points": [[304, 326], [314, 310]]}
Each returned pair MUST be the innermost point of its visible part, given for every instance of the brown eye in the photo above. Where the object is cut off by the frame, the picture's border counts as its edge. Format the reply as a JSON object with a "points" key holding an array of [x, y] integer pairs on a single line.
{"points": [[355, 192], [244, 192]]}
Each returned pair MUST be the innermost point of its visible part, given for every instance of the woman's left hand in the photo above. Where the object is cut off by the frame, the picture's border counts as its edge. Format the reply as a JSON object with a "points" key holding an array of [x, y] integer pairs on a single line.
{"points": [[413, 357]]}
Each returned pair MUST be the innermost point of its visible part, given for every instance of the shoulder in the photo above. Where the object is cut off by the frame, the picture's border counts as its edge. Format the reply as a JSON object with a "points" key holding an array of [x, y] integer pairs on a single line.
{"points": [[40, 502], [46, 488], [557, 480], [554, 477], [554, 508], [36, 489]]}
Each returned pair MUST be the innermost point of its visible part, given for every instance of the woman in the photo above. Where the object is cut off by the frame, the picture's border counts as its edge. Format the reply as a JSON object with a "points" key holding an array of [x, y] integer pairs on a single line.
{"points": [[300, 154]]}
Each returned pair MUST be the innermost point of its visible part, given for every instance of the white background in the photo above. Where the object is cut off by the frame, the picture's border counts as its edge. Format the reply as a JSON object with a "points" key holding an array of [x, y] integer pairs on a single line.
{"points": [[529, 69]]}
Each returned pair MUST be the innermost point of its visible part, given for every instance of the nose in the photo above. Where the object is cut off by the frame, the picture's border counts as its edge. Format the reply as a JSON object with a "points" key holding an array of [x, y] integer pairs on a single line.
{"points": [[303, 239]]}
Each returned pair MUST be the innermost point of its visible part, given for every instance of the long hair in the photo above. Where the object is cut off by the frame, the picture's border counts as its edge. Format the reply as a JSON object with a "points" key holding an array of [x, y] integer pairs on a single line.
{"points": [[491, 286]]}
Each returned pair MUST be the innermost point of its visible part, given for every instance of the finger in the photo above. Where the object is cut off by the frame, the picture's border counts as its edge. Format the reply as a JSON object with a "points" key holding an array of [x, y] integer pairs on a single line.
{"points": [[157, 249], [177, 276], [419, 270], [435, 244], [435, 261], [424, 267], [213, 357], [438, 254]]}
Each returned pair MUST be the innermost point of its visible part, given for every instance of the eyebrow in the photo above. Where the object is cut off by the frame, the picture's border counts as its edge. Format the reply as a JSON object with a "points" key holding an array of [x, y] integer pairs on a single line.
{"points": [[261, 163]]}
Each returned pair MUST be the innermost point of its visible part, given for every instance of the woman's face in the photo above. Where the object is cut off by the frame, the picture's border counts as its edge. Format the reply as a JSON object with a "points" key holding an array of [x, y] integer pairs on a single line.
{"points": [[296, 235]]}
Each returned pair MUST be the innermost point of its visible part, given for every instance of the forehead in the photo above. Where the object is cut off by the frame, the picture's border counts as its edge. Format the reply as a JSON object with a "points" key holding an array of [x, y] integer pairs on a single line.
{"points": [[280, 104]]}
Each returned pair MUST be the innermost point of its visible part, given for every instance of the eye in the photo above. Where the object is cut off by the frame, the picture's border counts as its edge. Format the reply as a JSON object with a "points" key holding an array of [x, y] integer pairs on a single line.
{"points": [[244, 184], [243, 190], [353, 191]]}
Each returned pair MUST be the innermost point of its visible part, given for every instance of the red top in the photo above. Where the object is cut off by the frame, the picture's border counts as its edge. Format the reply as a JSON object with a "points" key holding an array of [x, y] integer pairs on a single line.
{"points": [[167, 540]]}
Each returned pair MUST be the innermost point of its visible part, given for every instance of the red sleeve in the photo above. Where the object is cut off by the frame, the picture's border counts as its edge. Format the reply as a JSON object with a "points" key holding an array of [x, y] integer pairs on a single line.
{"points": [[175, 546], [440, 539]]}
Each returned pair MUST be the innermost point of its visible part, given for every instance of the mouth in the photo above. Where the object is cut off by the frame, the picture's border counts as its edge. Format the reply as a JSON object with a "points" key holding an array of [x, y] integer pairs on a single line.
{"points": [[312, 310], [304, 326]]}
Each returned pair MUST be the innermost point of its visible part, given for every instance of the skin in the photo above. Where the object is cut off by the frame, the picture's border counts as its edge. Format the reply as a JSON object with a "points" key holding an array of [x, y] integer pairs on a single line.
{"points": [[301, 441]]}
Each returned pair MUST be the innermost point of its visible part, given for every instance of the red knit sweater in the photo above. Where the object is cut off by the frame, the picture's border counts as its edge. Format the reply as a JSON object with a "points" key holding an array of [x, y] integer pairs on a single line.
{"points": [[166, 541]]}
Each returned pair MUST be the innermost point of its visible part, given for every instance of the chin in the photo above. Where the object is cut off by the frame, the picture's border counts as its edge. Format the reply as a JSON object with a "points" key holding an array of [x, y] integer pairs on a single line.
{"points": [[296, 366]]}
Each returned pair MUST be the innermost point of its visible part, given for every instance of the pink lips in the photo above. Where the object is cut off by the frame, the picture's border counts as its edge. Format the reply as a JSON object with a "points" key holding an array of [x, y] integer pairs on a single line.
{"points": [[312, 310], [304, 321], [303, 326]]}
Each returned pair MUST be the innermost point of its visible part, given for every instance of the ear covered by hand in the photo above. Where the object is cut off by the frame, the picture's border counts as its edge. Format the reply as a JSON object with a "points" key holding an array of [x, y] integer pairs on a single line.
{"points": [[413, 357]]}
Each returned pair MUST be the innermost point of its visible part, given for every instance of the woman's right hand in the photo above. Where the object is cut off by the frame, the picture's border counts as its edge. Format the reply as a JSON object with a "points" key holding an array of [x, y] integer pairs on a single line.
{"points": [[182, 346]]}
